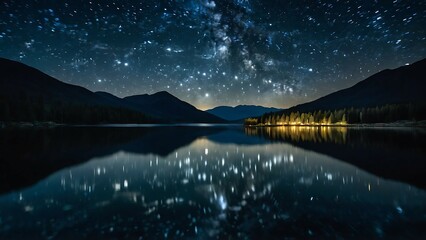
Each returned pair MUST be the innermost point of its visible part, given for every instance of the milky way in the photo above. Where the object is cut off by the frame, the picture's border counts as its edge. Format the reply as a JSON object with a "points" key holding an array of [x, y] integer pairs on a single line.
{"points": [[210, 52]]}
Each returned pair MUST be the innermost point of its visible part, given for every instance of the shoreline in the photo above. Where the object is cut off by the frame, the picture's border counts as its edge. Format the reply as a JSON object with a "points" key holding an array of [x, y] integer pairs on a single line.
{"points": [[35, 125], [421, 124], [30, 125]]}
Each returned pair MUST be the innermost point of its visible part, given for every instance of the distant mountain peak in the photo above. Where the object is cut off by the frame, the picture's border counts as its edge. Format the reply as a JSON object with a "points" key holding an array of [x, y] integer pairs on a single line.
{"points": [[163, 93], [241, 111], [165, 105]]}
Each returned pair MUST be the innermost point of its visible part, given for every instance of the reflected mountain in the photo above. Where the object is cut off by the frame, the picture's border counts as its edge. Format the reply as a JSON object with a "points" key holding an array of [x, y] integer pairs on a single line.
{"points": [[212, 190], [29, 155], [397, 153]]}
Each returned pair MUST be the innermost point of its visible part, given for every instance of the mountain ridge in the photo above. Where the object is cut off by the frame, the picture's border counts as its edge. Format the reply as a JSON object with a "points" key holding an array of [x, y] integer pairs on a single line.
{"points": [[28, 94], [157, 105], [241, 111], [389, 86]]}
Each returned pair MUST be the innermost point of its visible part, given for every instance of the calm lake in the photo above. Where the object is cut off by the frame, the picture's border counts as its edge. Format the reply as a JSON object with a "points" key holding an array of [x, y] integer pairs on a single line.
{"points": [[212, 182]]}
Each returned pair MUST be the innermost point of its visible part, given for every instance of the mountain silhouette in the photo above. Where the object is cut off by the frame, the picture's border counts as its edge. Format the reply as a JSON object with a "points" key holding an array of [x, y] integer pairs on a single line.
{"points": [[403, 85], [19, 79], [240, 112], [164, 105], [27, 94]]}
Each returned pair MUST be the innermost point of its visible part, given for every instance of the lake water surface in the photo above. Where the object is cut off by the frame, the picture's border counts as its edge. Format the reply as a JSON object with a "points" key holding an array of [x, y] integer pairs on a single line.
{"points": [[220, 182]]}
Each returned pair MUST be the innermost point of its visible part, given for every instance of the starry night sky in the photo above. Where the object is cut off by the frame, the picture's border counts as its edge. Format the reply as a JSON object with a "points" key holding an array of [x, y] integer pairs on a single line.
{"points": [[214, 52]]}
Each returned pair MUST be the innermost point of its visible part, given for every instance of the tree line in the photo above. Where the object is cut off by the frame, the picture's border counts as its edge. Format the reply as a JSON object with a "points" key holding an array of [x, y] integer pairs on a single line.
{"points": [[384, 114], [36, 109]]}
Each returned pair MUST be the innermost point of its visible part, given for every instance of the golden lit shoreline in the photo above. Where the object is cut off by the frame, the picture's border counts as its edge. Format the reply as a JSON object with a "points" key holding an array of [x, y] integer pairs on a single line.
{"points": [[335, 134]]}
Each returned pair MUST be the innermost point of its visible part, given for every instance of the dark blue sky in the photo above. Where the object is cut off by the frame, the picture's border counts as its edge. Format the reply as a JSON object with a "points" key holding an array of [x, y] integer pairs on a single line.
{"points": [[269, 52]]}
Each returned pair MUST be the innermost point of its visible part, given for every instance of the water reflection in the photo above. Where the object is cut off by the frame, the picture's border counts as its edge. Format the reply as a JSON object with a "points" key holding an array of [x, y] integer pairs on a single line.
{"points": [[301, 133], [213, 188], [394, 153], [28, 155]]}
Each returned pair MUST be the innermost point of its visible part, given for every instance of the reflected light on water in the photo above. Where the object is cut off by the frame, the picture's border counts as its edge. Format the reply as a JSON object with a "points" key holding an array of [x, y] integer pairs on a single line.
{"points": [[301, 133], [213, 189]]}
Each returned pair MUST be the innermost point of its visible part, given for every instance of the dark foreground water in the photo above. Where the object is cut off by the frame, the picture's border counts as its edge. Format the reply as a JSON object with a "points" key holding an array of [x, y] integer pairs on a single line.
{"points": [[218, 182]]}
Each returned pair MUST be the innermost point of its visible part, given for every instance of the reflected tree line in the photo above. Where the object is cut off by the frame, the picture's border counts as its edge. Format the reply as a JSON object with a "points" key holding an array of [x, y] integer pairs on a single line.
{"points": [[316, 134], [394, 153], [384, 114]]}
